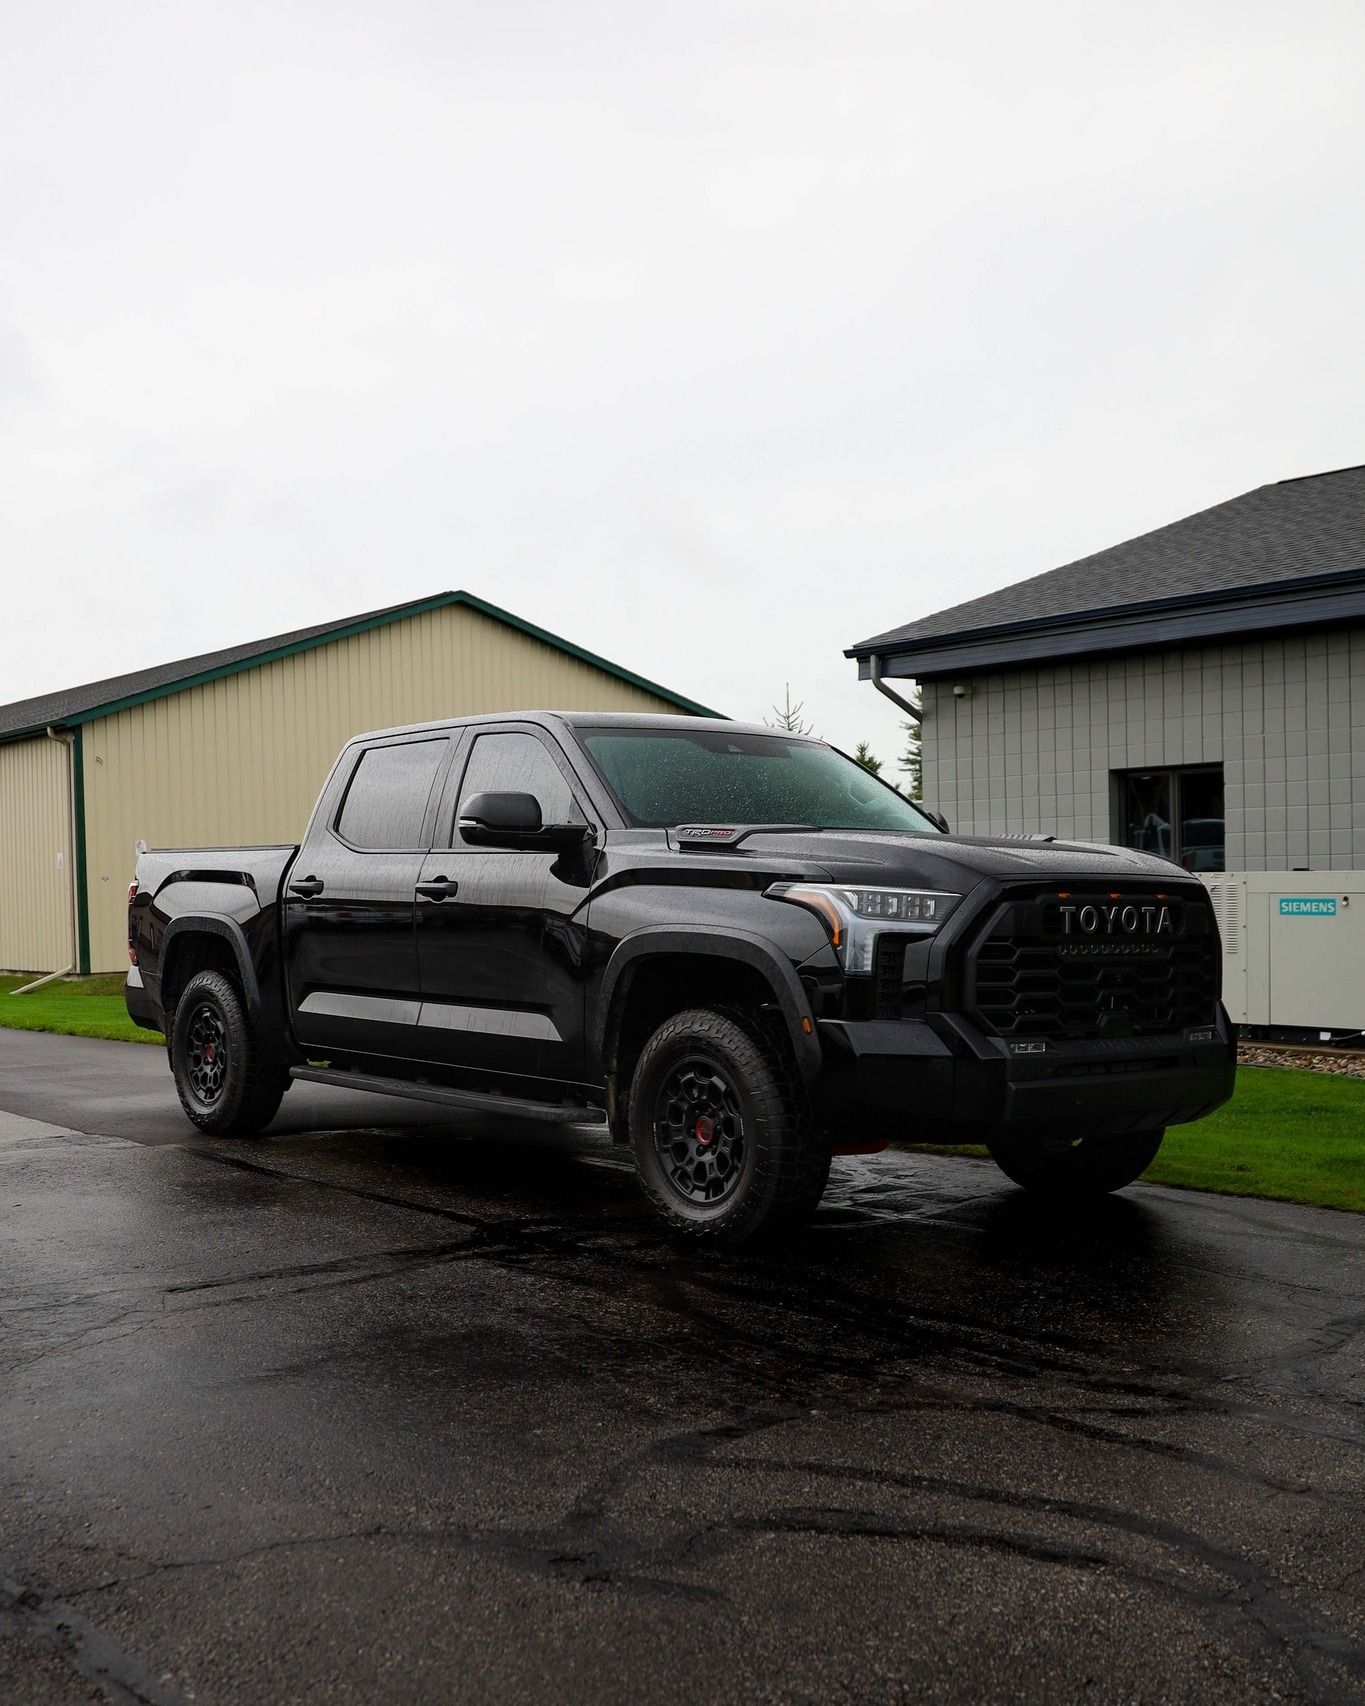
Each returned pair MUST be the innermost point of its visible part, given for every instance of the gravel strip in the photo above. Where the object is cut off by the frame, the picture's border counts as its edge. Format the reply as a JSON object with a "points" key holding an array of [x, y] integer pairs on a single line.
{"points": [[1337, 1061]]}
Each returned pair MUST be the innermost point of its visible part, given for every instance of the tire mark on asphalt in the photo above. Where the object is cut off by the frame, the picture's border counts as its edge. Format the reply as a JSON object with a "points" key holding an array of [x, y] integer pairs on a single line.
{"points": [[1019, 1351], [1279, 1628], [1264, 1593]]}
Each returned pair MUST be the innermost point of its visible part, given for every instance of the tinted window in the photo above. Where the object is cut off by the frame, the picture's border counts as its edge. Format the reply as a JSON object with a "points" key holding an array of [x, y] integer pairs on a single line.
{"points": [[1175, 813], [519, 764], [662, 778], [387, 799]]}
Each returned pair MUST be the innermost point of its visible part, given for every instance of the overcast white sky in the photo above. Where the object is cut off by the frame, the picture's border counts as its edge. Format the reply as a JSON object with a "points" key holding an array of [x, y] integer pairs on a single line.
{"points": [[714, 337]]}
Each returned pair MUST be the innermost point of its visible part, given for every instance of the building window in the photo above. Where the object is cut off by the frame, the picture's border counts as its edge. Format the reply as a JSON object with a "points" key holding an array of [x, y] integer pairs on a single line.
{"points": [[1177, 814]]}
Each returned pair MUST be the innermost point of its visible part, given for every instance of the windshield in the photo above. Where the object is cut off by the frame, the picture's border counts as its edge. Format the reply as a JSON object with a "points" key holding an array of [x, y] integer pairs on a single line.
{"points": [[665, 777]]}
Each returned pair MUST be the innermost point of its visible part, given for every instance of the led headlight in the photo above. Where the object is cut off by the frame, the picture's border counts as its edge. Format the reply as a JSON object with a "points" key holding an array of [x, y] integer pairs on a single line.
{"points": [[855, 917]]}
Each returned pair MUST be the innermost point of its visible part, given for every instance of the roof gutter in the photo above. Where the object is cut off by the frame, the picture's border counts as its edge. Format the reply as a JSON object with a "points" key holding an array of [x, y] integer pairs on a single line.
{"points": [[1223, 597], [895, 698], [1149, 627]]}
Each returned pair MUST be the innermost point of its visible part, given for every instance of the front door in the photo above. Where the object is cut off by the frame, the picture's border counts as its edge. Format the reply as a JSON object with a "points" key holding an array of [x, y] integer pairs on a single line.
{"points": [[500, 934], [348, 904]]}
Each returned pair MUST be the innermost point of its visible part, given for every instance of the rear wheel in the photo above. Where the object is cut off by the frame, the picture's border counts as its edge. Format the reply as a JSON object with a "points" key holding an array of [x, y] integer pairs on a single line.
{"points": [[1075, 1166], [223, 1084], [721, 1130]]}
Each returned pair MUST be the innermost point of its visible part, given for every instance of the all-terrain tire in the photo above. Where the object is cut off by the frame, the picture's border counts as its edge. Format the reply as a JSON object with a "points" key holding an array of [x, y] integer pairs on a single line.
{"points": [[224, 1085], [720, 1125], [1075, 1167]]}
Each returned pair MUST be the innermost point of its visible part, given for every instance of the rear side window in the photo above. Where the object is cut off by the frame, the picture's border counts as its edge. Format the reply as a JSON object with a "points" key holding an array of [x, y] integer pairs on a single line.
{"points": [[386, 801], [519, 764]]}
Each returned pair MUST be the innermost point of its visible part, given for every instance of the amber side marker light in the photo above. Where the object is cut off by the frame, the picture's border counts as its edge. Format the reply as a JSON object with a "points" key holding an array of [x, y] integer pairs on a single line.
{"points": [[830, 915]]}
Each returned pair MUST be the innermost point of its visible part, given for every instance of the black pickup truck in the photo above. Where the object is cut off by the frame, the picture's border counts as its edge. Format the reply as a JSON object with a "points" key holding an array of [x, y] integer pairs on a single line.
{"points": [[736, 946]]}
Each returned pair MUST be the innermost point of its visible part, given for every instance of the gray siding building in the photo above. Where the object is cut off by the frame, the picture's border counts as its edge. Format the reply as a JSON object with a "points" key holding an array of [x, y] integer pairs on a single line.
{"points": [[1266, 739], [1199, 693]]}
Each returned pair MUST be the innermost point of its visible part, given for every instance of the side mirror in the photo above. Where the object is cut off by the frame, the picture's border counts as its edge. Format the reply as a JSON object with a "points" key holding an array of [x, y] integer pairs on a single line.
{"points": [[937, 819], [513, 820]]}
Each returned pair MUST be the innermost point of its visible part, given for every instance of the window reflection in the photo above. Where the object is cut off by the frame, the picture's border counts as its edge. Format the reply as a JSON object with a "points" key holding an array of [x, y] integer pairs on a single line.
{"points": [[1175, 814]]}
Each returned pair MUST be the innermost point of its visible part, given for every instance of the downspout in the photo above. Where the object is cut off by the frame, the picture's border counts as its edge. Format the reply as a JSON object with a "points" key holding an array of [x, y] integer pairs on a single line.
{"points": [[890, 693], [52, 976]]}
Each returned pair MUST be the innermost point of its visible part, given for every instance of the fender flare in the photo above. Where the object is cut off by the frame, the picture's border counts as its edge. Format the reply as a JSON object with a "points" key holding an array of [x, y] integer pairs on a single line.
{"points": [[213, 924], [703, 940]]}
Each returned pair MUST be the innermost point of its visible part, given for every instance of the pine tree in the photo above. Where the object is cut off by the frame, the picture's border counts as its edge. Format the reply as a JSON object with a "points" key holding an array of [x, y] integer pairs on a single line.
{"points": [[866, 759], [788, 716]]}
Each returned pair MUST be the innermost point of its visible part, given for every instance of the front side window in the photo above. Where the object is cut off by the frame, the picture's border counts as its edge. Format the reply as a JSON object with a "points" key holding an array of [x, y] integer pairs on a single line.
{"points": [[663, 777], [386, 801], [519, 764], [1176, 814]]}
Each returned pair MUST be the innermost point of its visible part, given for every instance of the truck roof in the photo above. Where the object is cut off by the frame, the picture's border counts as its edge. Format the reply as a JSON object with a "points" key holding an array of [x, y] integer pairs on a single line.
{"points": [[584, 720]]}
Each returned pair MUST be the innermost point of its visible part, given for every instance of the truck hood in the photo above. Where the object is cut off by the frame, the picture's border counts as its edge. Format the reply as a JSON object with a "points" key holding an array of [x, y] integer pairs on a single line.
{"points": [[955, 863]]}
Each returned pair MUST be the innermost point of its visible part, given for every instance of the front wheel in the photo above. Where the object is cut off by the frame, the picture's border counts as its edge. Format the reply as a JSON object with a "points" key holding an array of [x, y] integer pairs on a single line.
{"points": [[722, 1135], [1075, 1166], [223, 1084]]}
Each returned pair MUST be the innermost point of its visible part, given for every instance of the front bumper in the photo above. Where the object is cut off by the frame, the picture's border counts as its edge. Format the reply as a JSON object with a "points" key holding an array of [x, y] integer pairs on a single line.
{"points": [[939, 1080]]}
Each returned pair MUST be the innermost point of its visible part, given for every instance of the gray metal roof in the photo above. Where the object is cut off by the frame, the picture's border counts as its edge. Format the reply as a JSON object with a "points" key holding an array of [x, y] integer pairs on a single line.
{"points": [[1294, 530], [98, 698]]}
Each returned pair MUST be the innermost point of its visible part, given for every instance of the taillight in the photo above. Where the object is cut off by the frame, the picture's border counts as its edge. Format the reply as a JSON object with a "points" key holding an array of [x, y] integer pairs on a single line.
{"points": [[132, 896]]}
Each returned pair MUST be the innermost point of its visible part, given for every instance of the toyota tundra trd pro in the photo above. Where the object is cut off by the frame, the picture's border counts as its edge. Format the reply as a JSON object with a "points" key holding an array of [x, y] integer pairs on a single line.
{"points": [[736, 946]]}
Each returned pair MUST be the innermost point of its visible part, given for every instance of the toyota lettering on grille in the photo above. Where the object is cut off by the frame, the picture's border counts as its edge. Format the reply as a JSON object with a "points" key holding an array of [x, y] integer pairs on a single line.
{"points": [[1129, 918]]}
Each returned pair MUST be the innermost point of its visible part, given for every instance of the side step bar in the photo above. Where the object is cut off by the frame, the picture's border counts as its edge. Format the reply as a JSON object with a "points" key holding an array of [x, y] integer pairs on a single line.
{"points": [[470, 1101]]}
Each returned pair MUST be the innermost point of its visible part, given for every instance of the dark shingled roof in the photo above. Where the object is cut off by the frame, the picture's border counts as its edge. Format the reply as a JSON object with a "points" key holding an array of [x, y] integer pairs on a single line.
{"points": [[97, 698], [1289, 531]]}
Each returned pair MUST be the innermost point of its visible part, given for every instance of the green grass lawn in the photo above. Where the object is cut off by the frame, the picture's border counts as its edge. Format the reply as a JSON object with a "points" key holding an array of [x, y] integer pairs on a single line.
{"points": [[77, 1007], [1292, 1136]]}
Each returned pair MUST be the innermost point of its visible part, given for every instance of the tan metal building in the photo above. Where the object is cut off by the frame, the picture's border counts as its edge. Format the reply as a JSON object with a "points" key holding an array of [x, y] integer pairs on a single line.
{"points": [[234, 745]]}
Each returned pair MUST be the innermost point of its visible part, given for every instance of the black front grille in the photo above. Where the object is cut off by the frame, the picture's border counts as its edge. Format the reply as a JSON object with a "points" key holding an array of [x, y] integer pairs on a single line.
{"points": [[1035, 973]]}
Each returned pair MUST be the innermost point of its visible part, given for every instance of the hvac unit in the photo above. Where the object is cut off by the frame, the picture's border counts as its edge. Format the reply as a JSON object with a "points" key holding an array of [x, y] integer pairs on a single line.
{"points": [[1293, 948]]}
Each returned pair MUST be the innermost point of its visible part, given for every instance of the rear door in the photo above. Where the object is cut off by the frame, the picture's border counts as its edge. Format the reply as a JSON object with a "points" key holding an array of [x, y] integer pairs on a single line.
{"points": [[348, 904], [501, 934]]}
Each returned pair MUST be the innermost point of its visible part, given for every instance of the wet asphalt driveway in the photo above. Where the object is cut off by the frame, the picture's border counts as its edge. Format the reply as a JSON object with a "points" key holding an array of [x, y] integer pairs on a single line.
{"points": [[414, 1413]]}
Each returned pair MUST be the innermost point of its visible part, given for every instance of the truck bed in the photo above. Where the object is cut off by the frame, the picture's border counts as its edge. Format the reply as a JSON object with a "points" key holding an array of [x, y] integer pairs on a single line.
{"points": [[258, 868]]}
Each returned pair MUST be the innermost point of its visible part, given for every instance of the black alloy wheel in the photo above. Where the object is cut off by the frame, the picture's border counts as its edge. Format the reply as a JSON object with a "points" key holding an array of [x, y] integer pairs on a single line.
{"points": [[699, 1131], [207, 1055]]}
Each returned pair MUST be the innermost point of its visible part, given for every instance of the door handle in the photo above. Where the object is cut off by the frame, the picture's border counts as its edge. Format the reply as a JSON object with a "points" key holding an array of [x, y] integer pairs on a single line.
{"points": [[306, 888], [439, 888]]}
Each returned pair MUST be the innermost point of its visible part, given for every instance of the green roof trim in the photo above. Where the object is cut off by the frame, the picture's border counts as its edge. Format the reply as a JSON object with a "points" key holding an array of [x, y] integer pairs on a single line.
{"points": [[366, 625], [78, 854]]}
